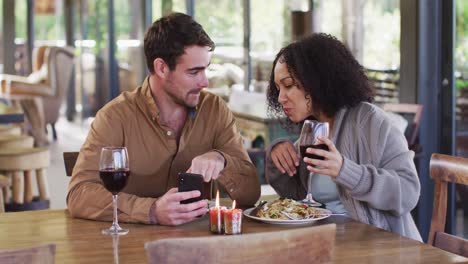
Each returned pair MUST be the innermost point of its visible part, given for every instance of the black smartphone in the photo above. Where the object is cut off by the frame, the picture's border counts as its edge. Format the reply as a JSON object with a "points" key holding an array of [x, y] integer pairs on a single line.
{"points": [[190, 182]]}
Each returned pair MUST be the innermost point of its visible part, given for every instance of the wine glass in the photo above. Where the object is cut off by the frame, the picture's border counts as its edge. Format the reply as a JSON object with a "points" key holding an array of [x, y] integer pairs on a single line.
{"points": [[114, 171], [311, 131]]}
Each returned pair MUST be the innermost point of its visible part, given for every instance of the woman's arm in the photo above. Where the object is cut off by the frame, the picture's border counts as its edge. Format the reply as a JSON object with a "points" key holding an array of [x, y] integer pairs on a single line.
{"points": [[389, 181], [286, 186]]}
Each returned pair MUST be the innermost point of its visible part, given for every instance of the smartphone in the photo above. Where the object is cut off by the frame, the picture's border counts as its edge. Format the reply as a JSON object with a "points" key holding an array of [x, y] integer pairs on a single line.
{"points": [[190, 182]]}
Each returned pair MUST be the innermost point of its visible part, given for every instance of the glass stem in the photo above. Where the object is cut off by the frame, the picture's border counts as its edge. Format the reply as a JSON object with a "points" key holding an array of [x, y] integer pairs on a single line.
{"points": [[115, 246], [115, 221], [309, 187]]}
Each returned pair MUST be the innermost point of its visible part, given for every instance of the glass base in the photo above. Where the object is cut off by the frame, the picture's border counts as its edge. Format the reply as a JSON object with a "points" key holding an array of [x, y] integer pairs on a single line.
{"points": [[310, 201], [115, 231]]}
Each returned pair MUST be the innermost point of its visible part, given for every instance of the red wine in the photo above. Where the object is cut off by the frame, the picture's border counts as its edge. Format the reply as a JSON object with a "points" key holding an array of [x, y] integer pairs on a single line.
{"points": [[114, 180], [312, 156]]}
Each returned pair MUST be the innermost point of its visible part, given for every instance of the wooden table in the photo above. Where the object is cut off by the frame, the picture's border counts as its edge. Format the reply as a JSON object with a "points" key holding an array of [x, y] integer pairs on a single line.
{"points": [[10, 114], [81, 241]]}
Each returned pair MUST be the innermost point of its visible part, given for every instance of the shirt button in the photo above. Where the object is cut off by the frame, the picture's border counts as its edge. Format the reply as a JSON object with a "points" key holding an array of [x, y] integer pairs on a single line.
{"points": [[169, 133]]}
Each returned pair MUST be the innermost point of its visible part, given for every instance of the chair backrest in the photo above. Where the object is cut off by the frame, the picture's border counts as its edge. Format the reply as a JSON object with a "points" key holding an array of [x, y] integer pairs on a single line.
{"points": [[60, 63], [69, 159], [257, 156], [44, 254], [38, 57], [461, 110], [302, 245], [446, 169], [412, 113], [386, 85]]}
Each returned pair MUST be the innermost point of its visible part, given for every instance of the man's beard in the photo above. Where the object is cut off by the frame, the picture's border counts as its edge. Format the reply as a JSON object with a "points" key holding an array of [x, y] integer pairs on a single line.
{"points": [[181, 101]]}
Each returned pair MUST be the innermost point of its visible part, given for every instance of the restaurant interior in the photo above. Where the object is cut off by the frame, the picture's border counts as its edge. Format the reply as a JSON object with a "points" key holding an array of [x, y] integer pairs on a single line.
{"points": [[63, 60]]}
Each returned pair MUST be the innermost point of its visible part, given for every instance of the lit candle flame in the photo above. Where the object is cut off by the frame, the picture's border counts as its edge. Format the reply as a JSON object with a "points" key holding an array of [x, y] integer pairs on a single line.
{"points": [[217, 199], [234, 204]]}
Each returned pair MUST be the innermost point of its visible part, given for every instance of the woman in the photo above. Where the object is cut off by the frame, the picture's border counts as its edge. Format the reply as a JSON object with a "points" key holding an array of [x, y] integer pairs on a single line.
{"points": [[368, 172]]}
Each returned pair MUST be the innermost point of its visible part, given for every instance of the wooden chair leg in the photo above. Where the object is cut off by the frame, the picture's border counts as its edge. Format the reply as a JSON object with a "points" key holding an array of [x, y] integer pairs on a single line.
{"points": [[28, 193], [4, 182], [6, 189], [54, 132], [42, 184], [5, 192], [18, 187]]}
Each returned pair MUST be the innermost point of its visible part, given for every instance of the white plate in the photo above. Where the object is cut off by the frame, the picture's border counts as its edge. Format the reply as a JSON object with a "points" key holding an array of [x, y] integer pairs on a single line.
{"points": [[287, 221]]}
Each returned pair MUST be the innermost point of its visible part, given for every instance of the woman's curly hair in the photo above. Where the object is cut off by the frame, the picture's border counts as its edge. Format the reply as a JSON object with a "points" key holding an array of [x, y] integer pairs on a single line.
{"points": [[328, 73]]}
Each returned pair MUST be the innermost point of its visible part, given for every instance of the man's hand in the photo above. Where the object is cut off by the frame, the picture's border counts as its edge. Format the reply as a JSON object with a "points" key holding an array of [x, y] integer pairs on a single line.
{"points": [[285, 157], [209, 165], [169, 210]]}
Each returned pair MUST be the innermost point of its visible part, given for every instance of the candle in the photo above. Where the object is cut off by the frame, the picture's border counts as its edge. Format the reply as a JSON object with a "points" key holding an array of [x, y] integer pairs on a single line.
{"points": [[233, 220], [217, 217]]}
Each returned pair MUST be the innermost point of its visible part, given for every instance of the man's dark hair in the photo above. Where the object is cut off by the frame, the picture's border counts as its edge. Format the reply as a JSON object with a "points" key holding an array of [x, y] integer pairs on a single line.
{"points": [[170, 35], [328, 72]]}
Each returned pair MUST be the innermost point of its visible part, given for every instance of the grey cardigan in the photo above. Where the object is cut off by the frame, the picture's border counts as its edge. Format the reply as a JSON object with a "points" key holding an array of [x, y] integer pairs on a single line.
{"points": [[378, 183]]}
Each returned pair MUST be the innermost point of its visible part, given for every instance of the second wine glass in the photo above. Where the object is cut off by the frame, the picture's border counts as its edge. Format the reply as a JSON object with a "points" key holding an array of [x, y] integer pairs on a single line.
{"points": [[114, 171], [311, 131]]}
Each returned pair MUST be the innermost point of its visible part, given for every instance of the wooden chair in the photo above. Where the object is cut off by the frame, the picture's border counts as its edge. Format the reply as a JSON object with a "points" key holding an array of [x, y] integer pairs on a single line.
{"points": [[303, 245], [44, 254], [257, 156], [52, 75], [462, 105], [11, 141], [4, 184], [10, 130], [69, 158], [412, 113], [445, 169], [19, 165], [385, 84], [256, 153], [16, 141]]}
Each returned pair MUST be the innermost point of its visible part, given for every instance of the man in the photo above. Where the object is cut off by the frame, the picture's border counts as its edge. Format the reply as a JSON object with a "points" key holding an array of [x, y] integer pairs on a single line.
{"points": [[168, 125]]}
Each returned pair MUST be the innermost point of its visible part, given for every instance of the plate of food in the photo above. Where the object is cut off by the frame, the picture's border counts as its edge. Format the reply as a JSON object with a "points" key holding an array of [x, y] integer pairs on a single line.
{"points": [[287, 211]]}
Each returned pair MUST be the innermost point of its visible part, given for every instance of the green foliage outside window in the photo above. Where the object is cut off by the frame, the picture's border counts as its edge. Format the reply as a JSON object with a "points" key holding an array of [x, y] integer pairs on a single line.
{"points": [[224, 21], [461, 46]]}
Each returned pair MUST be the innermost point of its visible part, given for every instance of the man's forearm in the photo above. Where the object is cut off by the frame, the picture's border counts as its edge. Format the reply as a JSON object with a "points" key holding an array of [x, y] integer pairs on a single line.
{"points": [[92, 201]]}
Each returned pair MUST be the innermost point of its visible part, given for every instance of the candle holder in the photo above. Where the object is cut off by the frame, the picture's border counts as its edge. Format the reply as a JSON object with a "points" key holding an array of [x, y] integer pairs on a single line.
{"points": [[217, 219], [233, 222]]}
